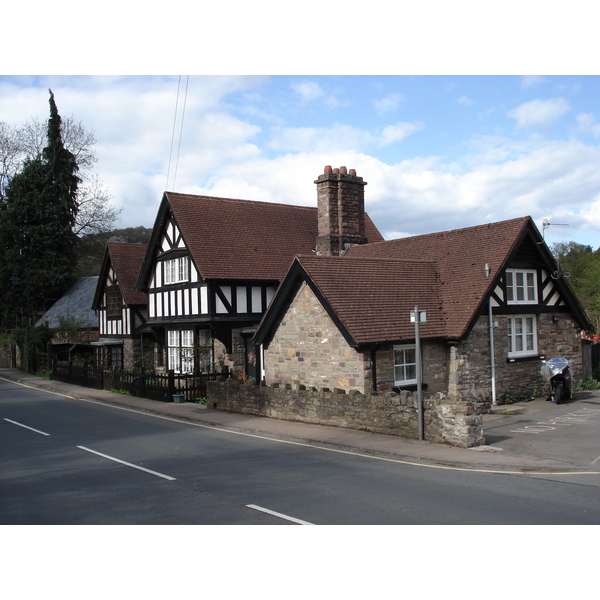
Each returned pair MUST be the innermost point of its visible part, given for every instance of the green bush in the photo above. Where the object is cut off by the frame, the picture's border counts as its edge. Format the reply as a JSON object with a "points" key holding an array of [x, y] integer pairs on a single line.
{"points": [[124, 392], [588, 384]]}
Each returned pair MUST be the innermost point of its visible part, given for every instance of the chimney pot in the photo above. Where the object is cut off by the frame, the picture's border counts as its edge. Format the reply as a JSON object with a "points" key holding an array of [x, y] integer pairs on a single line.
{"points": [[336, 170], [352, 172], [328, 169], [343, 170]]}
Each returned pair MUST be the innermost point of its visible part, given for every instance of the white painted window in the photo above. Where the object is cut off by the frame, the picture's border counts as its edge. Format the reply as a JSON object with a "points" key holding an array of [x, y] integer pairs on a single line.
{"points": [[180, 350], [405, 364], [521, 286], [522, 336], [176, 270]]}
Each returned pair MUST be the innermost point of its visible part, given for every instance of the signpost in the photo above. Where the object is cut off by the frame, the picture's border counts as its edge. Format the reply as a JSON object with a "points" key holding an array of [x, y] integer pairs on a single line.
{"points": [[419, 316]]}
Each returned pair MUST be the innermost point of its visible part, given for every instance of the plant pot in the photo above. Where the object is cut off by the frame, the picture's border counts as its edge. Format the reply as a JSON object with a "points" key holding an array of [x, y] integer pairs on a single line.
{"points": [[179, 398]]}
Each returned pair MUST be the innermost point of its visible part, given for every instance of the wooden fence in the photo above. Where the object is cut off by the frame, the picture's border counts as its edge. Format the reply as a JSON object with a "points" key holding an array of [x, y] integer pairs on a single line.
{"points": [[143, 384]]}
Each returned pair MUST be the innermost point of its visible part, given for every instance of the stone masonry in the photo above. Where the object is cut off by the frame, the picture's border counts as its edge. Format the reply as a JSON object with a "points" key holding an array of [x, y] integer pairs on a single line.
{"points": [[445, 421], [340, 205], [308, 349]]}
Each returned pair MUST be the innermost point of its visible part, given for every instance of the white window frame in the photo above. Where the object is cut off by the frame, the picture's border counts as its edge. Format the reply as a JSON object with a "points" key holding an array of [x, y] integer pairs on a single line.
{"points": [[180, 350], [176, 270], [405, 365], [522, 336], [521, 286]]}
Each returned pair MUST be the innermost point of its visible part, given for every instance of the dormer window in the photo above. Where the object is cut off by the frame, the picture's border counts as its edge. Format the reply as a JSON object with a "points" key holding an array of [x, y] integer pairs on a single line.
{"points": [[521, 286], [176, 270]]}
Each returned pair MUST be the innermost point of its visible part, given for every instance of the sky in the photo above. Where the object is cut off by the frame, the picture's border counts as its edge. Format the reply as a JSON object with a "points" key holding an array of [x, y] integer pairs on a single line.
{"points": [[440, 117], [437, 152]]}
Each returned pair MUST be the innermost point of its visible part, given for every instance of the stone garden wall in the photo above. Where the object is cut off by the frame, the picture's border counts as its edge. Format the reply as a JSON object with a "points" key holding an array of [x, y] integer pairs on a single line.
{"points": [[7, 355], [454, 423]]}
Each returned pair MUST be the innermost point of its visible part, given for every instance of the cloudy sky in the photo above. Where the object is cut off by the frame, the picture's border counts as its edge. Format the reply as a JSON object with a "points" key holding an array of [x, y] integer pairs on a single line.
{"points": [[440, 148], [438, 152]]}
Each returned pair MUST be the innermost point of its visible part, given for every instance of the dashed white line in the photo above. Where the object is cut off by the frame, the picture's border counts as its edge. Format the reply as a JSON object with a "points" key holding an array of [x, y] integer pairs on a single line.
{"points": [[26, 427], [128, 464], [280, 515]]}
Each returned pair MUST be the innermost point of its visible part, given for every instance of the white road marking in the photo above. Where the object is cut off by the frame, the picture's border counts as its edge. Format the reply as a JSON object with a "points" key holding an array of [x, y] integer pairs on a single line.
{"points": [[280, 515], [39, 389], [26, 427], [313, 446], [128, 464]]}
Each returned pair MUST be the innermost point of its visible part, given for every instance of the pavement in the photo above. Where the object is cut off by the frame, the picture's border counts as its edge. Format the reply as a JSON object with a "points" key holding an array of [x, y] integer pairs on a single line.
{"points": [[525, 437]]}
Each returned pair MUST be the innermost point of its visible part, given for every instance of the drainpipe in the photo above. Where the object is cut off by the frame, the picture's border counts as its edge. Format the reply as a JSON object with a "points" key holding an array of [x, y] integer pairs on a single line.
{"points": [[492, 358], [374, 369]]}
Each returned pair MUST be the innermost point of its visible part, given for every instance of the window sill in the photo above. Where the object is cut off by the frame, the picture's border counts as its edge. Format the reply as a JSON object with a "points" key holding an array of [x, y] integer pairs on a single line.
{"points": [[408, 387], [525, 358]]}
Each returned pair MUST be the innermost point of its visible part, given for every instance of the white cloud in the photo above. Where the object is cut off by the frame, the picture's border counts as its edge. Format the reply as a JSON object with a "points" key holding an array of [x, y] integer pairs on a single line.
{"points": [[308, 90], [465, 100], [388, 104], [531, 81], [398, 131], [539, 113], [587, 124]]}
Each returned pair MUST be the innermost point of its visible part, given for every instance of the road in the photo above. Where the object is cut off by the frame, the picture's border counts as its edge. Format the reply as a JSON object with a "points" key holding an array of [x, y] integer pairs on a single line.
{"points": [[67, 461]]}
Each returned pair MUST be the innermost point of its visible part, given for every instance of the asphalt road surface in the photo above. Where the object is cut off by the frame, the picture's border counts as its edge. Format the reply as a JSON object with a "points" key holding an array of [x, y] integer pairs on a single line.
{"points": [[66, 461]]}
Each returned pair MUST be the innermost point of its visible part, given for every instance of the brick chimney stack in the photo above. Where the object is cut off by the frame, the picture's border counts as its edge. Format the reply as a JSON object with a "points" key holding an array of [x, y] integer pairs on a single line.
{"points": [[341, 211]]}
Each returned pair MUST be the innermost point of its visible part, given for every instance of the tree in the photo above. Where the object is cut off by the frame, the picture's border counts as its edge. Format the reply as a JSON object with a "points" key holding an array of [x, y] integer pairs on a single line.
{"points": [[583, 266], [96, 214], [24, 144], [10, 154], [37, 216]]}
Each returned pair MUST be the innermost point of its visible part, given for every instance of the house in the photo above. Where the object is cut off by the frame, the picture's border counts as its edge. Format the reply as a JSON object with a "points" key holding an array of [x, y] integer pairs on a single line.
{"points": [[122, 311], [213, 265], [74, 308], [495, 305], [73, 322]]}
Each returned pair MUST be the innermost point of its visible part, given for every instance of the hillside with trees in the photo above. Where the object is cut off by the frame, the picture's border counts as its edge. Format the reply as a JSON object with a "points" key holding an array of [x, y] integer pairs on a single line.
{"points": [[90, 249], [581, 266]]}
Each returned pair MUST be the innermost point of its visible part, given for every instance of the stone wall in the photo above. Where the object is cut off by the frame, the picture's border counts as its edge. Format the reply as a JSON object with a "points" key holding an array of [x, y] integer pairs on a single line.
{"points": [[445, 421], [470, 370], [435, 366], [308, 349], [7, 355]]}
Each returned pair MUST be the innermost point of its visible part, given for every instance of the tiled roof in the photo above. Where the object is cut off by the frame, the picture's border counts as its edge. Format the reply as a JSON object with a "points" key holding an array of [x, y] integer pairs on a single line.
{"points": [[460, 256], [127, 260], [75, 303], [373, 297], [243, 239]]}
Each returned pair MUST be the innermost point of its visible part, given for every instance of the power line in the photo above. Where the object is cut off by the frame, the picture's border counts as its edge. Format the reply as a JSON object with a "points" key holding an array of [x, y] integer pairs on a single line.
{"points": [[173, 133], [181, 130]]}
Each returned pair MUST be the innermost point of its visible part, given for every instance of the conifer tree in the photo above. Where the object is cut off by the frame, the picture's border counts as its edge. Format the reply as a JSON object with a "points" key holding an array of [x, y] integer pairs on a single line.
{"points": [[37, 215]]}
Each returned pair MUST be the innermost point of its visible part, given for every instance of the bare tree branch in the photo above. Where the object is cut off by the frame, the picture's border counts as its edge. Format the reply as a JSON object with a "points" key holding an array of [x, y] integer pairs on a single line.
{"points": [[96, 214]]}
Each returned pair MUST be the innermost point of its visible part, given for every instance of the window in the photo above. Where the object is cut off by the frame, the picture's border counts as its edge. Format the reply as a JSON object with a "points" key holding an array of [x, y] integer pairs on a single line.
{"points": [[521, 286], [113, 303], [522, 336], [180, 350], [110, 356], [405, 365], [176, 270]]}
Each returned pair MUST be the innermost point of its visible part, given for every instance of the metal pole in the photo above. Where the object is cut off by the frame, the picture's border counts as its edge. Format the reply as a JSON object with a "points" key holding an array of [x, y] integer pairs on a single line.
{"points": [[492, 359], [418, 366]]}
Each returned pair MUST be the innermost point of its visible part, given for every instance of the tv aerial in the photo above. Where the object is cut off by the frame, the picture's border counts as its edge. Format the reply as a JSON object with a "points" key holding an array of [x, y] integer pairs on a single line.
{"points": [[559, 272], [546, 225]]}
